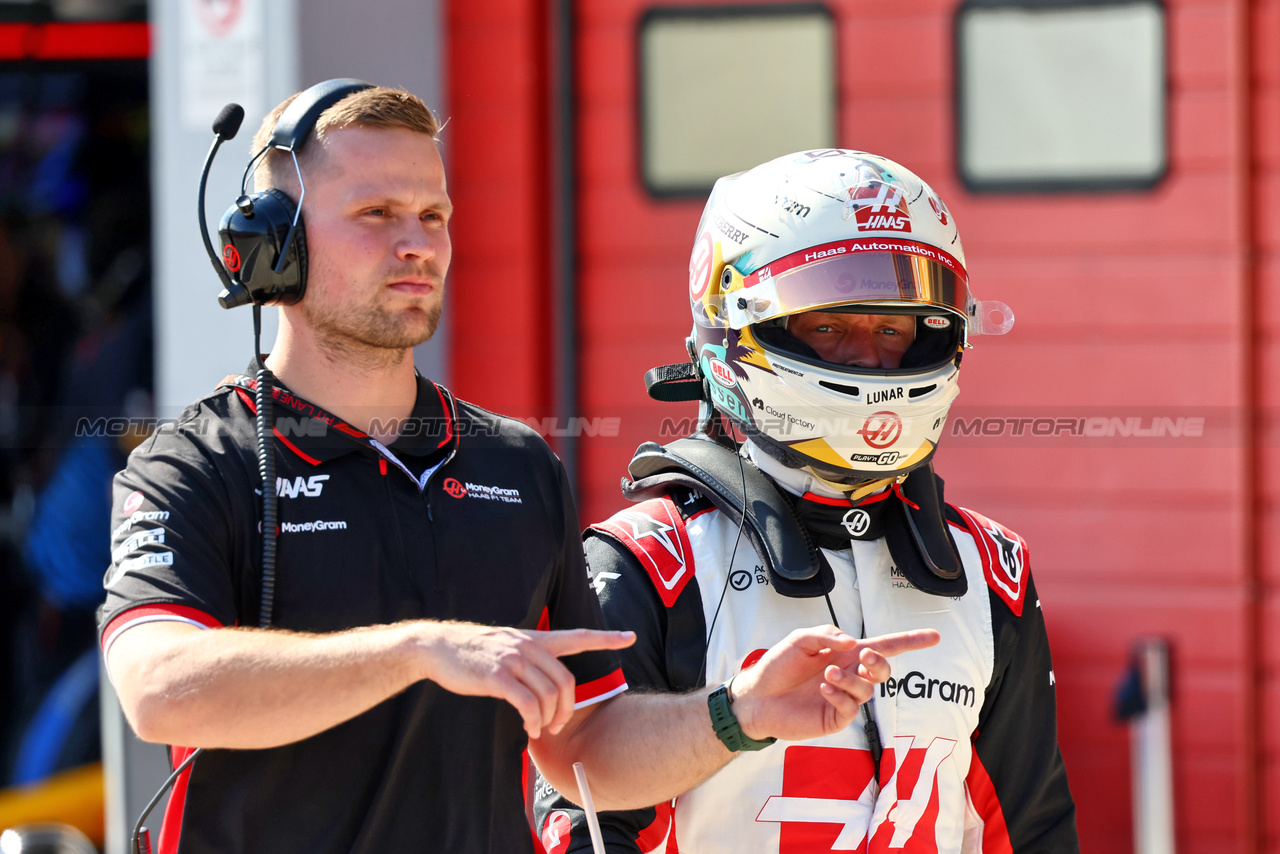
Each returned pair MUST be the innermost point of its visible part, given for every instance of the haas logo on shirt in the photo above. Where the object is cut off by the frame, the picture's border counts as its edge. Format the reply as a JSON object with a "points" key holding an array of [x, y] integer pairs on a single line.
{"points": [[829, 800], [306, 486]]}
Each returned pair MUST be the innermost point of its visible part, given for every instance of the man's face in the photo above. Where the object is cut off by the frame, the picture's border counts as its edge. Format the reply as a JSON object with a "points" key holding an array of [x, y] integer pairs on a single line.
{"points": [[377, 215], [876, 341]]}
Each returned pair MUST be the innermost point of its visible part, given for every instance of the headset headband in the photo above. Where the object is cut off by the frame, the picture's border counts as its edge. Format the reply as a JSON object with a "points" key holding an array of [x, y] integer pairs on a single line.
{"points": [[301, 116]]}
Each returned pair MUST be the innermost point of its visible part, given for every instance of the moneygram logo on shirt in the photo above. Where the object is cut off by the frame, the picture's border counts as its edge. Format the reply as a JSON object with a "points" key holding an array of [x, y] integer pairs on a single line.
{"points": [[917, 686], [475, 490]]}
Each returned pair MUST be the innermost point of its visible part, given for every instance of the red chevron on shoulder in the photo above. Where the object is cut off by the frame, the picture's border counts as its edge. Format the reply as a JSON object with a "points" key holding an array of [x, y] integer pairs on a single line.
{"points": [[654, 532], [1005, 557]]}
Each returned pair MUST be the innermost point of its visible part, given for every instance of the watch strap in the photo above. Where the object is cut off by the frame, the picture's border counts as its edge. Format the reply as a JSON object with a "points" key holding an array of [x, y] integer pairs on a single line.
{"points": [[726, 725]]}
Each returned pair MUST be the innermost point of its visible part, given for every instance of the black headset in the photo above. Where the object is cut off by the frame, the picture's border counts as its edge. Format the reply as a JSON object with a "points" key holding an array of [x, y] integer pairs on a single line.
{"points": [[264, 244]]}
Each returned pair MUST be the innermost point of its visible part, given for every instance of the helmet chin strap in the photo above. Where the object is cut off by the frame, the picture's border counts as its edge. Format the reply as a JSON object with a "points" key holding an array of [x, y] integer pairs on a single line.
{"points": [[856, 491], [786, 475]]}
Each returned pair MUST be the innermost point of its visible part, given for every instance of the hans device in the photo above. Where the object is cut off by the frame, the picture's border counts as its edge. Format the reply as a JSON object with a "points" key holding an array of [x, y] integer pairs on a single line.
{"points": [[263, 262]]}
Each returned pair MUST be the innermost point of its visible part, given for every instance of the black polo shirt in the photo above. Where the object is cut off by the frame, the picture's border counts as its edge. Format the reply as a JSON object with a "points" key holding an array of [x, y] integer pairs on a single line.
{"points": [[467, 516]]}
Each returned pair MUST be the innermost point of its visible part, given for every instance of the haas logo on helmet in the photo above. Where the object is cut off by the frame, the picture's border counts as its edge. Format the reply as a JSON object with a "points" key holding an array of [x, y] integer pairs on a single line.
{"points": [[881, 429], [886, 212], [878, 201]]}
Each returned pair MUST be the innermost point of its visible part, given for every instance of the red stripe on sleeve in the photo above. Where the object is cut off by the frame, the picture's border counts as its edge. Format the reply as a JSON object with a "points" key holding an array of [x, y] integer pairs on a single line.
{"points": [[544, 621], [995, 834], [599, 689], [154, 614]]}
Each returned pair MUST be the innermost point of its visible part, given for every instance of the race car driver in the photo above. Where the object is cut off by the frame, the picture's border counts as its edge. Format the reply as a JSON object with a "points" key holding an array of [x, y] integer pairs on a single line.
{"points": [[831, 309]]}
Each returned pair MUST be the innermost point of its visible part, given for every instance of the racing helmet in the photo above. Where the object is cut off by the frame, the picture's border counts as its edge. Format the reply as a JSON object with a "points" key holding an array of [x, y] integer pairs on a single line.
{"points": [[845, 232]]}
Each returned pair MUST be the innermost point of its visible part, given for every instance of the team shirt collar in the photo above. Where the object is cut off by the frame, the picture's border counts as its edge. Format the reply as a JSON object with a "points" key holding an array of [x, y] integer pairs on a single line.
{"points": [[318, 436]]}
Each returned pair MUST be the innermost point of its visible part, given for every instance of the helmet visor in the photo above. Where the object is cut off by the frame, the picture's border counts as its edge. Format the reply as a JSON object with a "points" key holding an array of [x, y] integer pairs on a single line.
{"points": [[850, 271]]}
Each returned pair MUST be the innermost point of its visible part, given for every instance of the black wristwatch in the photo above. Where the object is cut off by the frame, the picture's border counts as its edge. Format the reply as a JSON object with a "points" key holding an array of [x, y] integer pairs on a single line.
{"points": [[725, 722]]}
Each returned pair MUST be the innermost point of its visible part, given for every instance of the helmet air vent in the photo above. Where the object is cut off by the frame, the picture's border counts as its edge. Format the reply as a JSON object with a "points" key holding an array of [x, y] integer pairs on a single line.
{"points": [[843, 389], [916, 392]]}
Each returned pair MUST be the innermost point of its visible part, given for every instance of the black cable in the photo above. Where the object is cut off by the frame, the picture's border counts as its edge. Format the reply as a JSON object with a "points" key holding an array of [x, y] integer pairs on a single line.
{"points": [[869, 723], [225, 127], [136, 840], [706, 648], [267, 471]]}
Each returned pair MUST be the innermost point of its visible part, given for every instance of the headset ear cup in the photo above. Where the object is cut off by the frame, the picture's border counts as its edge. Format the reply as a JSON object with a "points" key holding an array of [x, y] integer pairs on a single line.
{"points": [[288, 285], [255, 242]]}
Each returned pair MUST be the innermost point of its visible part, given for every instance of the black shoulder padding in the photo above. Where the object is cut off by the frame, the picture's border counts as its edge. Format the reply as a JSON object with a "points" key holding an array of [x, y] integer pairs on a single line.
{"points": [[746, 495], [918, 539]]}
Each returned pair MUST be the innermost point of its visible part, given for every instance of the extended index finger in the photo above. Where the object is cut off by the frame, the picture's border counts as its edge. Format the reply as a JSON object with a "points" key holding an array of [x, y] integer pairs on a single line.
{"points": [[898, 642], [574, 641]]}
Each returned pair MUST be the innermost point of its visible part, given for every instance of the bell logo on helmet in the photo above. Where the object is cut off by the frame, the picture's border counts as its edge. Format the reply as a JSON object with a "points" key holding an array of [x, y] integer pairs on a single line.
{"points": [[937, 322], [881, 429], [722, 374], [700, 267]]}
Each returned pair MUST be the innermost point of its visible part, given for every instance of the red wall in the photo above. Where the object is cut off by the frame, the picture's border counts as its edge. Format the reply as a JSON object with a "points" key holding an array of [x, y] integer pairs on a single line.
{"points": [[1160, 302], [1262, 99], [495, 145]]}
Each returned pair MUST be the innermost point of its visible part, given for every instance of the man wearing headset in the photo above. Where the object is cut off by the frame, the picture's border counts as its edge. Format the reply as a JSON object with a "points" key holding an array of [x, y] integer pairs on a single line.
{"points": [[430, 574], [831, 309]]}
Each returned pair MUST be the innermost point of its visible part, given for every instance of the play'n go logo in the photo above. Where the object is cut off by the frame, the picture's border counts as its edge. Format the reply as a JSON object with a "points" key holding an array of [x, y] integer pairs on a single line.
{"points": [[723, 374]]}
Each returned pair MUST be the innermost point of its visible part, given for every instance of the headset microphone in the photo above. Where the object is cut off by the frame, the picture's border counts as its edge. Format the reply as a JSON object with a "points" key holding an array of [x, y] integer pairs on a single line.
{"points": [[225, 127]]}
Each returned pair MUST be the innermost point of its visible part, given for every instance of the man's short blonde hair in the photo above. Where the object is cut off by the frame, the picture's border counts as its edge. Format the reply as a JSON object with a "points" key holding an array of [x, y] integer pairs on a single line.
{"points": [[379, 107]]}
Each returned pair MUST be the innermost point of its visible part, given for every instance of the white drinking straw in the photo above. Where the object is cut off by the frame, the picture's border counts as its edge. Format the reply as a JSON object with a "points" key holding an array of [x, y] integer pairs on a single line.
{"points": [[593, 823]]}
